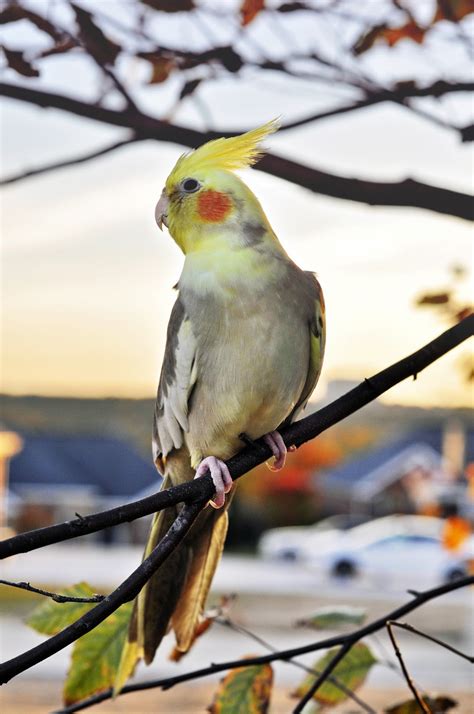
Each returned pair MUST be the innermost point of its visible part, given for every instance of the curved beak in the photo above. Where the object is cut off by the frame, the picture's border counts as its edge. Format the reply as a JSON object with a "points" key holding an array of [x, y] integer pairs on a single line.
{"points": [[161, 210]]}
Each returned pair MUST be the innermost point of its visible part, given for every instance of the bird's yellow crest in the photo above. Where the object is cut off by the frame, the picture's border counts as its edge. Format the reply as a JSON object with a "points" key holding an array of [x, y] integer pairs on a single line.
{"points": [[236, 152]]}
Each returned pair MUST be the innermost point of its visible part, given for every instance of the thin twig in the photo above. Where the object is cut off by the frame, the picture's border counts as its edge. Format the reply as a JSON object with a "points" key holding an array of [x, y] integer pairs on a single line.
{"points": [[309, 670], [282, 655], [297, 434], [68, 162], [54, 596], [414, 630], [423, 705]]}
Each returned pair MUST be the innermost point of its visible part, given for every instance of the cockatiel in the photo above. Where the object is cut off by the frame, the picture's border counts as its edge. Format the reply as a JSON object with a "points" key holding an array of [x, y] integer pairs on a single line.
{"points": [[244, 350]]}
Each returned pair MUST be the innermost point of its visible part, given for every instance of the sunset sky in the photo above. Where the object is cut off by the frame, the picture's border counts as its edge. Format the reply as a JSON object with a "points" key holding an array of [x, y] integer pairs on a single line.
{"points": [[87, 277]]}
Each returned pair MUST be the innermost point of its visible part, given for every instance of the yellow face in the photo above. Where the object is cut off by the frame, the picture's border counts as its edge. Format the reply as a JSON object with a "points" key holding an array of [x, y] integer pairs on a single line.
{"points": [[203, 196]]}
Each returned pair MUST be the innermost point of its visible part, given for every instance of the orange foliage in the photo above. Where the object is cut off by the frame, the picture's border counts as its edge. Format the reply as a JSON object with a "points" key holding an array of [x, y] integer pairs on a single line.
{"points": [[250, 9], [456, 531]]}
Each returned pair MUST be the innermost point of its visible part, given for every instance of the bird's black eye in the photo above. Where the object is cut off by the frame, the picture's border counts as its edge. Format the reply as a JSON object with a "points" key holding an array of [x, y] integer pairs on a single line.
{"points": [[190, 185]]}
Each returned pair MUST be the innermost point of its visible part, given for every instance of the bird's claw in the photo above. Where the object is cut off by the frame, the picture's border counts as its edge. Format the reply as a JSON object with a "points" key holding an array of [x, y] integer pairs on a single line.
{"points": [[277, 445], [221, 478]]}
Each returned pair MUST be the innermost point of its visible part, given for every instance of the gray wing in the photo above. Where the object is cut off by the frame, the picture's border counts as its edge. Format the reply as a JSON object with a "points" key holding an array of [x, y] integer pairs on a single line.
{"points": [[317, 335], [178, 376]]}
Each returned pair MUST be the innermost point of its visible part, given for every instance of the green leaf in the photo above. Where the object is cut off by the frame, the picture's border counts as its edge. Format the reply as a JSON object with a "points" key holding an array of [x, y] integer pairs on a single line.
{"points": [[51, 617], [245, 690], [334, 618], [96, 657], [437, 705], [351, 671]]}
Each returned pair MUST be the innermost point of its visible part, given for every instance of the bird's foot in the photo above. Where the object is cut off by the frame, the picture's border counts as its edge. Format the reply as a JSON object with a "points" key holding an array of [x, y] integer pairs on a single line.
{"points": [[277, 445], [221, 478]]}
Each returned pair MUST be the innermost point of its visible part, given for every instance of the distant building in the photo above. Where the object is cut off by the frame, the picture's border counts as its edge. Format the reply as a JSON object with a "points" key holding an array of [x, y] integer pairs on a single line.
{"points": [[413, 473], [55, 476]]}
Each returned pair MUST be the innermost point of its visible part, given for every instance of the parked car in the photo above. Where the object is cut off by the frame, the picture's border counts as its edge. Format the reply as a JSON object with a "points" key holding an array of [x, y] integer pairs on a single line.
{"points": [[289, 543], [403, 550]]}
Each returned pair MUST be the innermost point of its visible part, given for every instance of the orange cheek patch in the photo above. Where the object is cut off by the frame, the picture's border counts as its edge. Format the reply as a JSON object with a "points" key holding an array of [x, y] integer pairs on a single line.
{"points": [[213, 206]]}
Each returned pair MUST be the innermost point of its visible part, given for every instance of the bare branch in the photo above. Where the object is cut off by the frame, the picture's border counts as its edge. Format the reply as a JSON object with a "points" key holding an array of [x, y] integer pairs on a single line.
{"points": [[404, 193], [68, 162], [334, 680], [297, 434], [414, 630], [54, 596], [282, 655], [423, 706]]}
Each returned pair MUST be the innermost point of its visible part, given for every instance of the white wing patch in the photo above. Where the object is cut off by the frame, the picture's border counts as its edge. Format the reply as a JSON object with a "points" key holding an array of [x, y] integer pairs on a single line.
{"points": [[177, 380]]}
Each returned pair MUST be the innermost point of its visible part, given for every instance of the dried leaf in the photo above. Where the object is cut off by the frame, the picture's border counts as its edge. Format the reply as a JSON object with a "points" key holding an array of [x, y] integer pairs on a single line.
{"points": [[245, 690], [17, 61], [437, 705], [103, 49], [334, 618], [434, 299], [161, 69], [96, 657], [453, 10], [351, 672], [170, 5], [389, 35], [176, 655], [249, 10], [51, 617]]}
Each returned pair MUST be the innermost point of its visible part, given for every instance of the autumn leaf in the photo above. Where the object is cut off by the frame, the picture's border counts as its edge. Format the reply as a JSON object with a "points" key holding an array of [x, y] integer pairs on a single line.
{"points": [[390, 35], [51, 617], [103, 49], [96, 657], [161, 68], [249, 10], [170, 5], [436, 705], [334, 618], [245, 690], [351, 671], [434, 299], [221, 610], [453, 10], [16, 61]]}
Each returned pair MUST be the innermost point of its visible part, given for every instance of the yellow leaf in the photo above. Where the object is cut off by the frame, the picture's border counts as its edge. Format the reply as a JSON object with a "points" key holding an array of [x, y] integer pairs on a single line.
{"points": [[351, 671], [245, 690]]}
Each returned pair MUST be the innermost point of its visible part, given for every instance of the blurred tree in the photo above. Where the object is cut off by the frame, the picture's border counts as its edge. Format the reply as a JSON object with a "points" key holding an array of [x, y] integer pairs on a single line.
{"points": [[346, 53]]}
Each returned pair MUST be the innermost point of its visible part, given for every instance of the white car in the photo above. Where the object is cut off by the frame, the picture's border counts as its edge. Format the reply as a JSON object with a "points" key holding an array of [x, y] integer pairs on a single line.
{"points": [[395, 550], [291, 543]]}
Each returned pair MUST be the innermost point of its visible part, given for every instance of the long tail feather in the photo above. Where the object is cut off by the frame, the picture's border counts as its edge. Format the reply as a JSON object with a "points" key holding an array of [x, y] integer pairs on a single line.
{"points": [[206, 553]]}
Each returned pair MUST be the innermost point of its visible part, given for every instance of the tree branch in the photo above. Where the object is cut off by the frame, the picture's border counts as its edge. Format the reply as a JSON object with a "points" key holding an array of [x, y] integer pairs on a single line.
{"points": [[54, 596], [404, 193], [422, 705], [127, 591], [68, 162], [415, 631], [282, 655], [297, 434]]}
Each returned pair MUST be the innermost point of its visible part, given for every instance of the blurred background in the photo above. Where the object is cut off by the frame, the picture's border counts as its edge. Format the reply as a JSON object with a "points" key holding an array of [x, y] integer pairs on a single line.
{"points": [[367, 183]]}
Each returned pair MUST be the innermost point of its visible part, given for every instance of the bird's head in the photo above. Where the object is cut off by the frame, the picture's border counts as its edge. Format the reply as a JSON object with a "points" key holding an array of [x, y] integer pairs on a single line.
{"points": [[203, 197]]}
